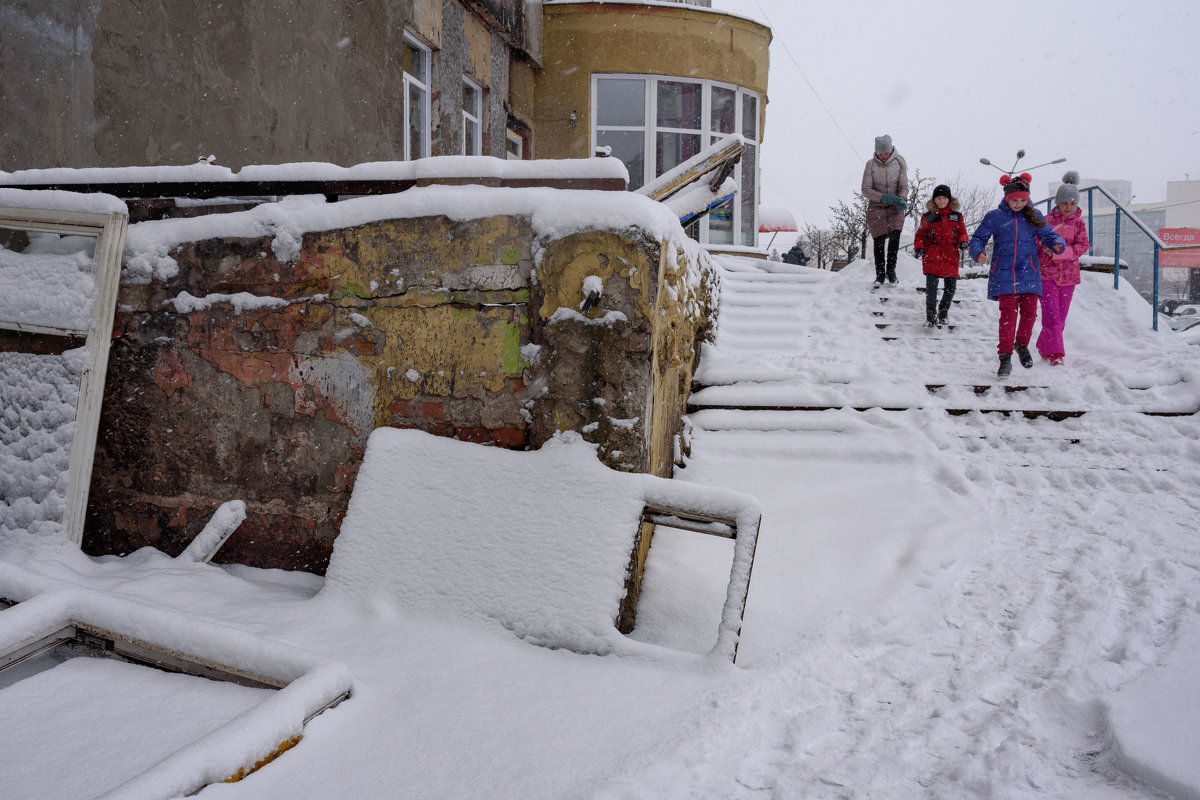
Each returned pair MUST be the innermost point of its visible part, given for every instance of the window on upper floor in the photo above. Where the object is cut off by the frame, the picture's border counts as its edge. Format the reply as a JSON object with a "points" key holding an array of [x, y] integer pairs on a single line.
{"points": [[472, 131], [415, 64], [654, 123]]}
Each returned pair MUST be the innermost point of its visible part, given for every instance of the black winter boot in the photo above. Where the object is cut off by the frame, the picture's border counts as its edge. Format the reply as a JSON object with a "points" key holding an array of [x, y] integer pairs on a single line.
{"points": [[1005, 365], [943, 315], [1023, 354], [930, 318]]}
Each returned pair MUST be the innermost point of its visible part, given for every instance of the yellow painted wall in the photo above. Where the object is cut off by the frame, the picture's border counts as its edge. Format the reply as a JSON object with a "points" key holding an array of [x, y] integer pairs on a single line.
{"points": [[427, 18], [603, 38], [479, 40]]}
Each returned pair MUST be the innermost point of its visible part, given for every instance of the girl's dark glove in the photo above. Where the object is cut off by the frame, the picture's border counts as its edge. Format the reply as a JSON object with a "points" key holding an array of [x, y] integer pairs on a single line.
{"points": [[964, 246], [919, 253]]}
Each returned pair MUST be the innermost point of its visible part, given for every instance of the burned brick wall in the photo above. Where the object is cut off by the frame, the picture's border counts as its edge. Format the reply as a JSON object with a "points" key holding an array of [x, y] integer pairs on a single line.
{"points": [[250, 377]]}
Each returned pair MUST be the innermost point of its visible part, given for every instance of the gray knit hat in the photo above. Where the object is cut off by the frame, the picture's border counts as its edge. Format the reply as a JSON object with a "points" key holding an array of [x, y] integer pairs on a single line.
{"points": [[883, 144], [1069, 191]]}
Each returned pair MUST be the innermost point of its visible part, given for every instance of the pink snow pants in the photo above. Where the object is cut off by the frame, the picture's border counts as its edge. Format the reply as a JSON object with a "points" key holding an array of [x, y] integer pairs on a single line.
{"points": [[1056, 302], [1012, 306]]}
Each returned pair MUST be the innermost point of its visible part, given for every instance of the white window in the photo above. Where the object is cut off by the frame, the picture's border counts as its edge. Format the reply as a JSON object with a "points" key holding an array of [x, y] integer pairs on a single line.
{"points": [[472, 131], [415, 61], [654, 123]]}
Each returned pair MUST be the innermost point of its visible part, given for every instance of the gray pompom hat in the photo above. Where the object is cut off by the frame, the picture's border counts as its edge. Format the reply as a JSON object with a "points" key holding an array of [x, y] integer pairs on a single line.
{"points": [[883, 144], [1069, 191]]}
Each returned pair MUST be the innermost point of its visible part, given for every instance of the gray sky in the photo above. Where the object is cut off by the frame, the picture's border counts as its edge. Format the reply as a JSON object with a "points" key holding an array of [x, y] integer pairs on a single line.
{"points": [[1113, 85]]}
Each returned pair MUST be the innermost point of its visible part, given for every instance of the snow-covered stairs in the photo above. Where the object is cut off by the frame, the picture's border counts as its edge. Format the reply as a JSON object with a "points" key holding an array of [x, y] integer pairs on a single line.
{"points": [[811, 340], [795, 352]]}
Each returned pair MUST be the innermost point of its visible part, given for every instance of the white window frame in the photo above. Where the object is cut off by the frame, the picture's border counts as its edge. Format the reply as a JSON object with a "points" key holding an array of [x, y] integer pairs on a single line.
{"points": [[708, 136], [109, 232], [412, 83], [473, 145]]}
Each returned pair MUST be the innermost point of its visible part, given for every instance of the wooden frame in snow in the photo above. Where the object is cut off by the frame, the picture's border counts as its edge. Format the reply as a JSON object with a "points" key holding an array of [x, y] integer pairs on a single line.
{"points": [[539, 542], [109, 232], [43, 616]]}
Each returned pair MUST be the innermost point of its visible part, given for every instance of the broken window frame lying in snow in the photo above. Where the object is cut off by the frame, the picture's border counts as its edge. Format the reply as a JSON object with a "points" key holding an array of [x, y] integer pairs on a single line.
{"points": [[678, 517], [555, 558], [109, 232], [49, 616]]}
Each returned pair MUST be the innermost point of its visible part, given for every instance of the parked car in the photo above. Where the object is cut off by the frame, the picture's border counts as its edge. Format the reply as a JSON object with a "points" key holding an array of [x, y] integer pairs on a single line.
{"points": [[1187, 310], [1191, 335], [1187, 322]]}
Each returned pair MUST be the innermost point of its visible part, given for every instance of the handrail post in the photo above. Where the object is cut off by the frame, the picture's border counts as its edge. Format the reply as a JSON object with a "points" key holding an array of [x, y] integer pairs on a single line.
{"points": [[1117, 249], [1091, 227], [1156, 249]]}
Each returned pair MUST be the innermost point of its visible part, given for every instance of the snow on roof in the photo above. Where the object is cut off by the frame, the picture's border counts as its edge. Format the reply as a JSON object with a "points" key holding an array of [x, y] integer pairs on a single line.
{"points": [[539, 542], [774, 218], [432, 168]]}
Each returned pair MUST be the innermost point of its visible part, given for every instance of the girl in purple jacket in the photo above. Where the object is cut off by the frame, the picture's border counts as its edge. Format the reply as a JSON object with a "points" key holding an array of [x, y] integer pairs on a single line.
{"points": [[1060, 273], [1016, 276]]}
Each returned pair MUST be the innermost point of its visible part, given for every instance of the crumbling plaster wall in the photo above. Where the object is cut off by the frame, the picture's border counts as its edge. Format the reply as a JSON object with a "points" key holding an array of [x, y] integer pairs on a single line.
{"points": [[243, 376]]}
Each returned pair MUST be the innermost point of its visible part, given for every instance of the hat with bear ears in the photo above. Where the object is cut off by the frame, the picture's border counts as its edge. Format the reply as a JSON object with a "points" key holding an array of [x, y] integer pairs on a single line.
{"points": [[1069, 191], [1016, 185]]}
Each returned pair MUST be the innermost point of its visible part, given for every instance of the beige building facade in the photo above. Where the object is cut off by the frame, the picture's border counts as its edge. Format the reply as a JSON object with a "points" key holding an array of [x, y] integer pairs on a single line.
{"points": [[655, 84]]}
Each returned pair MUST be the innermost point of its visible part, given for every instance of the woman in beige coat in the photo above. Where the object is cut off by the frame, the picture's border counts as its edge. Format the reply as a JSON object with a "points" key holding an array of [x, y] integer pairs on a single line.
{"points": [[885, 185]]}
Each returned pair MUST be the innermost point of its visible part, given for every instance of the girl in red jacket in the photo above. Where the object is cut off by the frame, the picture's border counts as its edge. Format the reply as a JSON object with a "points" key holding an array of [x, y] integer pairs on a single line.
{"points": [[1060, 273], [940, 238]]}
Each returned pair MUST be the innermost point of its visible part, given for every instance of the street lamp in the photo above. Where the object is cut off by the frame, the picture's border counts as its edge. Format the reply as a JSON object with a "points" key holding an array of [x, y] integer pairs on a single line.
{"points": [[1020, 155]]}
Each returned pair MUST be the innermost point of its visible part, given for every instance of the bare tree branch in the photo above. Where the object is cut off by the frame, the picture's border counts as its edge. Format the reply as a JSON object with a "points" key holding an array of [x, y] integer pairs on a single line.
{"points": [[820, 245], [919, 190]]}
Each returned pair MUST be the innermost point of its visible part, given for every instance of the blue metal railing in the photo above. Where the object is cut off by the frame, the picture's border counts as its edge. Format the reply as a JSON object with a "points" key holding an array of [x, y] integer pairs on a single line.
{"points": [[1119, 211]]}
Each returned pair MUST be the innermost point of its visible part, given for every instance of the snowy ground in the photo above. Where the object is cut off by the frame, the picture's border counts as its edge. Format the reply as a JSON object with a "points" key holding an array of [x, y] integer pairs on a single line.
{"points": [[947, 601]]}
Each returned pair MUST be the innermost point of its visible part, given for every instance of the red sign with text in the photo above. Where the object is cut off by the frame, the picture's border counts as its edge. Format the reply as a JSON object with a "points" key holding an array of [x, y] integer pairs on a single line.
{"points": [[1173, 237]]}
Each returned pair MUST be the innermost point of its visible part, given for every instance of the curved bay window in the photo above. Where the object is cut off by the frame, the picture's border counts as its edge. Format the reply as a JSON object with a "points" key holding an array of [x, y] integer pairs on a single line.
{"points": [[654, 123]]}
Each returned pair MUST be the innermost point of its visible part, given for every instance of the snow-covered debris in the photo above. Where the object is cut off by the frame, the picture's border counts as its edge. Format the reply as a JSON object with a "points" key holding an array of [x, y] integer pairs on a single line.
{"points": [[219, 744], [220, 527], [536, 541]]}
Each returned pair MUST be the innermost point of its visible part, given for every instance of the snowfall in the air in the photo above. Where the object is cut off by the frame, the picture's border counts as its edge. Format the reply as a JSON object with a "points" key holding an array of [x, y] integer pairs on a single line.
{"points": [[959, 591]]}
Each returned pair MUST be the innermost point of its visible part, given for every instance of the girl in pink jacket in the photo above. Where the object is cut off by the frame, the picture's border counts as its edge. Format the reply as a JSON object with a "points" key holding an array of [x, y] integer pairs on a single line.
{"points": [[1060, 273]]}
